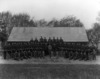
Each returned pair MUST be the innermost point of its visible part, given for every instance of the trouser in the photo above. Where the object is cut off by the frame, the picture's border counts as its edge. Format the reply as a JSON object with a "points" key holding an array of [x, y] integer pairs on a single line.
{"points": [[57, 54], [5, 53], [35, 54], [32, 53], [84, 56], [22, 55], [39, 54], [87, 57], [16, 56], [71, 55], [43, 54], [76, 55], [25, 55], [29, 54], [94, 57], [51, 53]]}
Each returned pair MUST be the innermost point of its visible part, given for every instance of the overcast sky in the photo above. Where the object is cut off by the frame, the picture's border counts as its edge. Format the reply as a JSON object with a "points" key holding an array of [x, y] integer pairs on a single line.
{"points": [[85, 10]]}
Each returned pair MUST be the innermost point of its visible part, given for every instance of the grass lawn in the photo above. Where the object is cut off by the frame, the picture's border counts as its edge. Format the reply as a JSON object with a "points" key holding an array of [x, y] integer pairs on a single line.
{"points": [[45, 71]]}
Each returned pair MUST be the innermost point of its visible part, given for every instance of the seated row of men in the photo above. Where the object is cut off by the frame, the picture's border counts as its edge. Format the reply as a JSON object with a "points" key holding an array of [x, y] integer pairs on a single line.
{"points": [[39, 53]]}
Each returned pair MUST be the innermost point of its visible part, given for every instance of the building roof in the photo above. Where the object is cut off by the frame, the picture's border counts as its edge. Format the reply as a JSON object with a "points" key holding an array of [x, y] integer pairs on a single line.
{"points": [[69, 34]]}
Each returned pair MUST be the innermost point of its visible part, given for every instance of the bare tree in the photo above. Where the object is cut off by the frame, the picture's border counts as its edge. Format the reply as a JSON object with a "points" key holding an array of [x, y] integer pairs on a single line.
{"points": [[94, 34], [70, 21], [41, 23]]}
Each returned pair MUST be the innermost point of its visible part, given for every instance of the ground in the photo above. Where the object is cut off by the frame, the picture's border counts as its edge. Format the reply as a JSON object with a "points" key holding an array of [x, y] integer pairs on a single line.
{"points": [[49, 71], [55, 69]]}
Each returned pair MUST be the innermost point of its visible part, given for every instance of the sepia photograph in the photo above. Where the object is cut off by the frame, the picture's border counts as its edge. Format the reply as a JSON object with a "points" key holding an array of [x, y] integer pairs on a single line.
{"points": [[49, 39]]}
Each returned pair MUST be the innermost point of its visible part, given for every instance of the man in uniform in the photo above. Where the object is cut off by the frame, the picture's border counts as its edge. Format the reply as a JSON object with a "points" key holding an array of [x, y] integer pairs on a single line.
{"points": [[57, 54], [49, 50], [66, 53], [41, 39], [87, 55], [16, 55], [25, 54], [43, 53], [29, 53], [76, 53], [80, 55], [5, 53], [94, 54], [61, 40], [35, 53], [70, 54], [32, 52]]}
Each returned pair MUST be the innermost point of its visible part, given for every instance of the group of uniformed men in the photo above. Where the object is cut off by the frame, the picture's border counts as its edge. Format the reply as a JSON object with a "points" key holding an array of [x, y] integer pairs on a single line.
{"points": [[51, 47]]}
